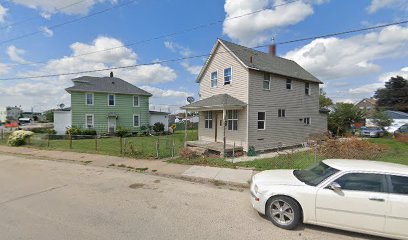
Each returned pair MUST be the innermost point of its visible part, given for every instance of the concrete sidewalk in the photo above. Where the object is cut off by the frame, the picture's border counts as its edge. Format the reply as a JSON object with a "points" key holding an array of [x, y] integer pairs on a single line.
{"points": [[238, 177]]}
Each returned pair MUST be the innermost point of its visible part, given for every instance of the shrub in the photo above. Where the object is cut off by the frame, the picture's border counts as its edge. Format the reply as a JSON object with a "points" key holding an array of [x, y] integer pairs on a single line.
{"points": [[41, 130], [251, 151], [89, 132], [350, 148], [121, 131], [19, 138], [187, 153], [158, 127], [144, 130], [73, 131]]}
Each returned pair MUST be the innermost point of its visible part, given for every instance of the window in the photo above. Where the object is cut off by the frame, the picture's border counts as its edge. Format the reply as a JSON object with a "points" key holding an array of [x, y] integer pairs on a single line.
{"points": [[306, 121], [111, 100], [135, 101], [232, 123], [136, 120], [307, 88], [281, 113], [288, 84], [214, 79], [261, 120], [89, 119], [267, 81], [89, 98], [208, 121], [227, 76], [367, 182], [399, 184]]}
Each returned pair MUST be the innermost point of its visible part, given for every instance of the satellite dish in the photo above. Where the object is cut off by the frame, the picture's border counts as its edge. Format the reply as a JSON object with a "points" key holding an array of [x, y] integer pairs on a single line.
{"points": [[190, 99], [61, 106]]}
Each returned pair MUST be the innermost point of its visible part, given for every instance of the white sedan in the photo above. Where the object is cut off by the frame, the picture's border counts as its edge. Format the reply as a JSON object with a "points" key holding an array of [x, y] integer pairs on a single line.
{"points": [[355, 195]]}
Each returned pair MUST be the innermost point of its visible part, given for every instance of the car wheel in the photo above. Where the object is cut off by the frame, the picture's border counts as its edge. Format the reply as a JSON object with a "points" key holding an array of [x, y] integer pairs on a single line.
{"points": [[283, 212]]}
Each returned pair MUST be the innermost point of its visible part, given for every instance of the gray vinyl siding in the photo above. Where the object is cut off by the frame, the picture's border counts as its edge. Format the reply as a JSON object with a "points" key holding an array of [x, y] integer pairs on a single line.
{"points": [[238, 89], [289, 130]]}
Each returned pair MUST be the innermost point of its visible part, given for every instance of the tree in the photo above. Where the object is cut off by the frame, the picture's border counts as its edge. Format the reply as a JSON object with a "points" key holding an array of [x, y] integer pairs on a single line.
{"points": [[381, 119], [49, 115], [324, 100], [394, 96], [343, 115], [158, 127]]}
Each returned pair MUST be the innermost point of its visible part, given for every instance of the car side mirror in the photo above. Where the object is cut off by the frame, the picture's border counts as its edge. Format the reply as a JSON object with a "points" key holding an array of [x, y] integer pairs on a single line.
{"points": [[334, 186]]}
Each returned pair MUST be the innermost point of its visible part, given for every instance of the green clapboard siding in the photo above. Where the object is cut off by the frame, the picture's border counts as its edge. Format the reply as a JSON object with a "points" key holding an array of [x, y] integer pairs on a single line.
{"points": [[123, 109]]}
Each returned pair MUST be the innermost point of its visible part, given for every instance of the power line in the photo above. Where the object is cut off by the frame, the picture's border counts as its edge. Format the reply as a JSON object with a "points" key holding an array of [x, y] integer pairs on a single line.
{"points": [[68, 22], [170, 34], [202, 55], [37, 16]]}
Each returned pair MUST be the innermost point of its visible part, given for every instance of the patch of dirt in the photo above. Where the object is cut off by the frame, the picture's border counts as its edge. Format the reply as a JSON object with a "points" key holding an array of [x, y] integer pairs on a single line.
{"points": [[136, 185], [157, 181]]}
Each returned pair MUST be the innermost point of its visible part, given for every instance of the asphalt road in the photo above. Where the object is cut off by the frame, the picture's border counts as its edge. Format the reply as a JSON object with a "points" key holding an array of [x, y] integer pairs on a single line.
{"points": [[44, 200]]}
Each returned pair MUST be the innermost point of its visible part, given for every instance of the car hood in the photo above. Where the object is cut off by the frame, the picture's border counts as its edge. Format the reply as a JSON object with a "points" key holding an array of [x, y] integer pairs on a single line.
{"points": [[277, 177]]}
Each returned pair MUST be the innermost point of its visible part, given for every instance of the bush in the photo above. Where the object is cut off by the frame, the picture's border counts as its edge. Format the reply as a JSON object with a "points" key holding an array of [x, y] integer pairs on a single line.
{"points": [[51, 131], [73, 131], [158, 127], [187, 153], [251, 151], [19, 138], [350, 148], [41, 130], [121, 131], [89, 132]]}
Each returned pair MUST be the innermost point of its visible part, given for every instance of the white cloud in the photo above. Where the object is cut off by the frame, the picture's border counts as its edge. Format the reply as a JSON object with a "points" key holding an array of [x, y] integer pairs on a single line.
{"points": [[70, 7], [4, 68], [177, 48], [377, 5], [193, 69], [46, 31], [166, 93], [15, 54], [256, 28], [3, 13], [333, 58]]}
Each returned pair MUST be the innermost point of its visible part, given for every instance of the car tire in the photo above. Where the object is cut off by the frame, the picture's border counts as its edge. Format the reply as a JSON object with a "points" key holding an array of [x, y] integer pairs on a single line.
{"points": [[283, 212]]}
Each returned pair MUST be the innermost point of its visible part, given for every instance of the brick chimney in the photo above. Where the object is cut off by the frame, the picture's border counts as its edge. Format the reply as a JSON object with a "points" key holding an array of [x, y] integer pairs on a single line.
{"points": [[272, 49]]}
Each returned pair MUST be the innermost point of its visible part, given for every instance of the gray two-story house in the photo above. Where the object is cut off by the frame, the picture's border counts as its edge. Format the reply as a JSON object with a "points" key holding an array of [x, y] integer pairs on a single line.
{"points": [[251, 98]]}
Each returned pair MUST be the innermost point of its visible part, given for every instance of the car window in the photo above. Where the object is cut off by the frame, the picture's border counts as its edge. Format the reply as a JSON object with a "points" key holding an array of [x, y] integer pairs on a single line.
{"points": [[399, 184], [366, 182]]}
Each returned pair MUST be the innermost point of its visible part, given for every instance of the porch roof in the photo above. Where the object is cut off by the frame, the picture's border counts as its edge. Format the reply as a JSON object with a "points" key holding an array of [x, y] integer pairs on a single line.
{"points": [[220, 101]]}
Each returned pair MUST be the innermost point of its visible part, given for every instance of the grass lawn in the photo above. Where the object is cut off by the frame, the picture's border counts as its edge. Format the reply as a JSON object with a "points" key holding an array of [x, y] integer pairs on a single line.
{"points": [[137, 147], [397, 152]]}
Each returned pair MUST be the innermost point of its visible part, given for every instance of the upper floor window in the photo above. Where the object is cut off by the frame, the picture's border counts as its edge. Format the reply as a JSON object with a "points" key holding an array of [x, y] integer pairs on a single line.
{"points": [[214, 79], [306, 121], [208, 121], [135, 101], [288, 84], [89, 98], [227, 76], [281, 113], [232, 119], [111, 99], [261, 120], [307, 88], [267, 81]]}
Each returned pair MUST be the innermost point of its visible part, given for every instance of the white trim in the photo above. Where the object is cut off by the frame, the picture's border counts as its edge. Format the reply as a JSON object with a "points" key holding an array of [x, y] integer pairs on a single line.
{"points": [[269, 82], [216, 83], [86, 99], [232, 119], [115, 123], [133, 120], [257, 120], [86, 120], [309, 88], [138, 101], [206, 113], [223, 76], [114, 99]]}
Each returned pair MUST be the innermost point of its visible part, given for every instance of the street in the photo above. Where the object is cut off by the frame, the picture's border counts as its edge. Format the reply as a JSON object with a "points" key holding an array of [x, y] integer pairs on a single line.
{"points": [[42, 199]]}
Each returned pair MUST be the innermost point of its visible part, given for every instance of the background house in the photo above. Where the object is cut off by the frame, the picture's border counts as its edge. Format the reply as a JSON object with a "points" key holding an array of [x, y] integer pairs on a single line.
{"points": [[62, 120], [260, 99], [162, 117], [105, 103], [368, 105]]}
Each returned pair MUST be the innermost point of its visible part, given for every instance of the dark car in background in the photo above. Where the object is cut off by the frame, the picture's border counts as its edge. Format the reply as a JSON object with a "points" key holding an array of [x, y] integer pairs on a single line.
{"points": [[402, 130], [372, 132]]}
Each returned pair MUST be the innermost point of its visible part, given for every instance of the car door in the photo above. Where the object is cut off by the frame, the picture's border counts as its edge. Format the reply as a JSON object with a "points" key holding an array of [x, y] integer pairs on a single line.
{"points": [[396, 222], [359, 204]]}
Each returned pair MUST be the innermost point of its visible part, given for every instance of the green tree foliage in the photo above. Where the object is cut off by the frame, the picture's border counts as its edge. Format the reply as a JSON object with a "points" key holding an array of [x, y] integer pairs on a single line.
{"points": [[381, 119], [394, 96], [158, 127], [343, 115], [49, 115], [324, 100]]}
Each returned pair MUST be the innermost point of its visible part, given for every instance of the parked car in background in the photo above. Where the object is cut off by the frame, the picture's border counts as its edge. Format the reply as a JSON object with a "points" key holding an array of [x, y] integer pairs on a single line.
{"points": [[372, 132], [354, 195], [402, 130]]}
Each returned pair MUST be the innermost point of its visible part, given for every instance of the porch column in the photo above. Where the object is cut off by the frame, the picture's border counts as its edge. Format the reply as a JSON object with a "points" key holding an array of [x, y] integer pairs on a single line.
{"points": [[224, 113], [185, 130]]}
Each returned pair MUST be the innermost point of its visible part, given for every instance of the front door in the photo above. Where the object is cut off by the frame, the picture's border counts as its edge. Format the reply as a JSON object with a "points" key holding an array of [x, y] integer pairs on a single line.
{"points": [[111, 125], [219, 128], [361, 203]]}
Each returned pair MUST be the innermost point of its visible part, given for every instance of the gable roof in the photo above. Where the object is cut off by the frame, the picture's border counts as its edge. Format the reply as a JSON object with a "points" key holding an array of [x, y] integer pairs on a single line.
{"points": [[369, 100], [262, 62], [105, 85], [396, 114], [219, 100]]}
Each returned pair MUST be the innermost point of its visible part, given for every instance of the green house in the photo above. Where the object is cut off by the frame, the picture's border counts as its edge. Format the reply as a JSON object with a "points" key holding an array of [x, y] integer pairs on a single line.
{"points": [[105, 103]]}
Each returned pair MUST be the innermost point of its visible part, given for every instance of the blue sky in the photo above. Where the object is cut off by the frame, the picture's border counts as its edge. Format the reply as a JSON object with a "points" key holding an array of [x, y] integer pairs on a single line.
{"points": [[352, 66]]}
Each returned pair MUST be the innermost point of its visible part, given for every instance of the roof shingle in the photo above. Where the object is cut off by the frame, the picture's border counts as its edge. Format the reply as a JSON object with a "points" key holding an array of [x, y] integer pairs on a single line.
{"points": [[219, 100]]}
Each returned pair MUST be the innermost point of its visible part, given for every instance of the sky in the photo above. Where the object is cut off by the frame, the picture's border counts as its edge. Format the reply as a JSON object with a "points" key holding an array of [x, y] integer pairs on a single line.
{"points": [[44, 37]]}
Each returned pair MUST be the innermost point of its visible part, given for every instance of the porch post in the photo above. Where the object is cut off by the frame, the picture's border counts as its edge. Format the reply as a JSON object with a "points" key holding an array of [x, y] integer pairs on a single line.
{"points": [[185, 131], [224, 137]]}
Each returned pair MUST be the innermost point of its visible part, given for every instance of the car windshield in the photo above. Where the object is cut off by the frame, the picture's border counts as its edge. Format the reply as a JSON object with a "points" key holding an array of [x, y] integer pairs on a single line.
{"points": [[315, 174], [373, 128]]}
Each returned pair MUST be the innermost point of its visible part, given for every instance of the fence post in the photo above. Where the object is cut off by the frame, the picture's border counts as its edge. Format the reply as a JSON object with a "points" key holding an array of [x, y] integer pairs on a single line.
{"points": [[172, 150], [233, 152], [96, 142], [48, 141], [157, 149], [120, 145], [70, 141], [2, 134]]}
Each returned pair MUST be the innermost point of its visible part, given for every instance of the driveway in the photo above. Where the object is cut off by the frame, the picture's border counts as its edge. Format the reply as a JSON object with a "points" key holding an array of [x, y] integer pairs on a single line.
{"points": [[41, 199]]}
